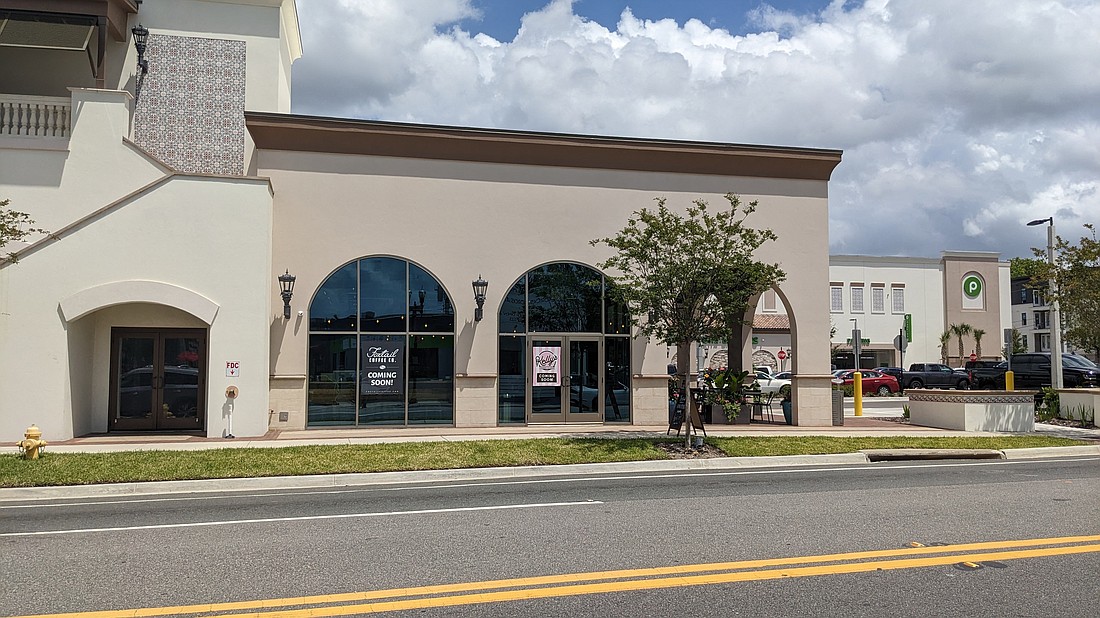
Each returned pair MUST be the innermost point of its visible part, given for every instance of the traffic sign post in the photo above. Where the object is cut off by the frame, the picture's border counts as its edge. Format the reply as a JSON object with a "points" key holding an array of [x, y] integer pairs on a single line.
{"points": [[973, 357]]}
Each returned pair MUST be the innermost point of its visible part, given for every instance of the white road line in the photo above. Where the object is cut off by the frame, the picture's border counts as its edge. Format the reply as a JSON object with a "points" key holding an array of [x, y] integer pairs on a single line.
{"points": [[233, 522], [578, 479]]}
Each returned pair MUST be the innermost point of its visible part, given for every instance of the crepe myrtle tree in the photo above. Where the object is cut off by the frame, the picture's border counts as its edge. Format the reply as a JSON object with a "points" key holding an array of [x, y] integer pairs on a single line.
{"points": [[14, 227], [688, 276]]}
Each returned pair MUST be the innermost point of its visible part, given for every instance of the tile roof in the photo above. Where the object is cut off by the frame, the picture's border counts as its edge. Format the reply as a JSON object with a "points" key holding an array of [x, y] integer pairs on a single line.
{"points": [[771, 321]]}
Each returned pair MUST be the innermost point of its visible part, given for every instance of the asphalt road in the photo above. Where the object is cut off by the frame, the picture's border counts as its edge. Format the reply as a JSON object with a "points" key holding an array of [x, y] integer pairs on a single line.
{"points": [[669, 537]]}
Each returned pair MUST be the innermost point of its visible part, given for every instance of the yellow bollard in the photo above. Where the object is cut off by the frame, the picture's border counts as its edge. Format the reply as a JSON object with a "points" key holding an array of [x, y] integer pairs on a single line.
{"points": [[1010, 381], [858, 394]]}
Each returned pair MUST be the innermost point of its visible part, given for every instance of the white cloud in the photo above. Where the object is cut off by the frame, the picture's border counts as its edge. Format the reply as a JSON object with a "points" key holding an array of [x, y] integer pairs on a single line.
{"points": [[959, 120]]}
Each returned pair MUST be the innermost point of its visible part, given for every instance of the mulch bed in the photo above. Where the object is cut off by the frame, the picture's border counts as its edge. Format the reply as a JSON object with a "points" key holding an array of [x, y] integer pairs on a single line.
{"points": [[677, 450]]}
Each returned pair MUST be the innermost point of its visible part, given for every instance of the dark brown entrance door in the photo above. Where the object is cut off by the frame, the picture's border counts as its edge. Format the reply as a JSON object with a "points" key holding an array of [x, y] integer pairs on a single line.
{"points": [[158, 379]]}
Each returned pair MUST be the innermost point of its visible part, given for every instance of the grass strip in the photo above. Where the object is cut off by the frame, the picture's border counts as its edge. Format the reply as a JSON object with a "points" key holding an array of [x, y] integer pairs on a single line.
{"points": [[136, 466]]}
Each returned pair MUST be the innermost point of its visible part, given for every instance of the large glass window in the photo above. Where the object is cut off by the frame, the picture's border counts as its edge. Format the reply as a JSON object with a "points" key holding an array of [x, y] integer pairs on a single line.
{"points": [[562, 298], [333, 308], [512, 395], [393, 362]]}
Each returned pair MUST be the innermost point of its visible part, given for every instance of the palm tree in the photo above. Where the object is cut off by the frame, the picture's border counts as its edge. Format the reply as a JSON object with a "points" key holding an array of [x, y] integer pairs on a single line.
{"points": [[945, 340], [978, 334], [960, 331]]}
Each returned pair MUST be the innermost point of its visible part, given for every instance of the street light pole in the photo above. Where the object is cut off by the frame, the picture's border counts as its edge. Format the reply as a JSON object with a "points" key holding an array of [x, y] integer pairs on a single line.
{"points": [[1055, 316]]}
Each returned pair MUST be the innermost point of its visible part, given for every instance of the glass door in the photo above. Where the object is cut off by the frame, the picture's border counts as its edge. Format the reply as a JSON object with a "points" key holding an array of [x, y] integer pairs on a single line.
{"points": [[158, 379], [548, 381], [585, 381], [566, 384]]}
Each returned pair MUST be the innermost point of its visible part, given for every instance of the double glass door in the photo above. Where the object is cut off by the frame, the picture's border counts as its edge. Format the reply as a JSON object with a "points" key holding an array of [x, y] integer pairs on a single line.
{"points": [[567, 379], [158, 379]]}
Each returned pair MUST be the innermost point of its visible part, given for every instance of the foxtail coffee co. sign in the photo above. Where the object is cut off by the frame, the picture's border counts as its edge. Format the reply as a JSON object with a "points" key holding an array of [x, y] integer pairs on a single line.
{"points": [[383, 369]]}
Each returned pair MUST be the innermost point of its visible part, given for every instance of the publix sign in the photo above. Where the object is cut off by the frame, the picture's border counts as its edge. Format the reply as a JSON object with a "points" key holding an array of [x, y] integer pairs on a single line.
{"points": [[973, 289]]}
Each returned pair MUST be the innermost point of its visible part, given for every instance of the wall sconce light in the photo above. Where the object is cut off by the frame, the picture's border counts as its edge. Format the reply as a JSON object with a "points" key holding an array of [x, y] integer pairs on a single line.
{"points": [[141, 36], [286, 286], [479, 296]]}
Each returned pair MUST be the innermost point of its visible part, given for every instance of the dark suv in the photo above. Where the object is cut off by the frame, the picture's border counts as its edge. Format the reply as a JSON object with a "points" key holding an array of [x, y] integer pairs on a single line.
{"points": [[1033, 371]]}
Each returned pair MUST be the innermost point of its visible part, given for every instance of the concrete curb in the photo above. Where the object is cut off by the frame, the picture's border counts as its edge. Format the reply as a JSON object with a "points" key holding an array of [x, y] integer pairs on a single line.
{"points": [[422, 476], [1051, 451], [921, 454]]}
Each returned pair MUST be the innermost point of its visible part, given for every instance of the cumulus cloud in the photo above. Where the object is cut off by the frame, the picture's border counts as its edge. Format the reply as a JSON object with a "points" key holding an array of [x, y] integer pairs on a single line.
{"points": [[959, 121]]}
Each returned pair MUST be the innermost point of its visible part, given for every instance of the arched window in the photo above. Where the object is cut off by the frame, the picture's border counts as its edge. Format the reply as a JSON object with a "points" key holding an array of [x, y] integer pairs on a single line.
{"points": [[569, 306], [381, 347]]}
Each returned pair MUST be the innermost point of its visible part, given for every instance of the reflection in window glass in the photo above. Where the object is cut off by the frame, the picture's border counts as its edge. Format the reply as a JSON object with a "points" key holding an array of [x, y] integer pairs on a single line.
{"points": [[382, 295], [333, 308], [616, 317], [431, 379], [430, 308], [617, 379], [332, 361], [564, 298], [514, 307], [512, 396]]}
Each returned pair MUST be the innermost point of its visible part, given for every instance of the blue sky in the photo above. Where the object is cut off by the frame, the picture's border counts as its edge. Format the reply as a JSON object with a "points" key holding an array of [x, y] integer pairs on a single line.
{"points": [[959, 120], [500, 19]]}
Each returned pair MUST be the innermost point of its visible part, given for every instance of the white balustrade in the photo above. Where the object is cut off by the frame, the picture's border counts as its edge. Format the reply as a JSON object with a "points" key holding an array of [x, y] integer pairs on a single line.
{"points": [[35, 116]]}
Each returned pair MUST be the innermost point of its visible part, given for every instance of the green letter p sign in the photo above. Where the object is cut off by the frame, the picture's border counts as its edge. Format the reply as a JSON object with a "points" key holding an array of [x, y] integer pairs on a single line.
{"points": [[972, 286]]}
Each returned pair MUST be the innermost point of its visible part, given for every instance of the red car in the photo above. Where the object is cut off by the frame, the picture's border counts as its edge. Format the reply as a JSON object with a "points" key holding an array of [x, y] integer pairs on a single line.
{"points": [[873, 381]]}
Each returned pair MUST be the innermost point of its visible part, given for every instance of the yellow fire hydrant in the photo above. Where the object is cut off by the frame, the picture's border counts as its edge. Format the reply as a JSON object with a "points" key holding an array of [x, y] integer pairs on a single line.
{"points": [[32, 441]]}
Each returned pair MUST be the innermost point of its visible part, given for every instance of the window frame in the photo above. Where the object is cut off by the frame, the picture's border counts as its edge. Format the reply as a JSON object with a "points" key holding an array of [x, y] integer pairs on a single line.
{"points": [[852, 297]]}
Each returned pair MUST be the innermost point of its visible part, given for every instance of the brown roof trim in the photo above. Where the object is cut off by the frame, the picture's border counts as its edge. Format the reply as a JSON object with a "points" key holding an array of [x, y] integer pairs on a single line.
{"points": [[272, 131], [115, 12]]}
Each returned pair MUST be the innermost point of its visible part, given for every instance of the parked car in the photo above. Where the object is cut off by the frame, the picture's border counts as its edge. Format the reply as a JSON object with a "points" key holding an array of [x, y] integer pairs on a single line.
{"points": [[897, 372], [934, 375], [783, 375], [873, 381], [1033, 371], [767, 383], [584, 393], [180, 391]]}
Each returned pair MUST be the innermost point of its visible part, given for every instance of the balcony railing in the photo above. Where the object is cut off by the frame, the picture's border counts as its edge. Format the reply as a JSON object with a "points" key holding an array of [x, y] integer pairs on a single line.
{"points": [[35, 116]]}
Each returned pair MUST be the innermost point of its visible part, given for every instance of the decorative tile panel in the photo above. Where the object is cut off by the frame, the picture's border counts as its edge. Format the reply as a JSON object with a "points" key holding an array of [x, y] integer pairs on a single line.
{"points": [[190, 105], [970, 397]]}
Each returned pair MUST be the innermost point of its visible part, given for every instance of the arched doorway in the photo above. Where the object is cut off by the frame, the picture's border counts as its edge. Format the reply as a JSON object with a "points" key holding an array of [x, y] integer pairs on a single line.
{"points": [[381, 347], [564, 349]]}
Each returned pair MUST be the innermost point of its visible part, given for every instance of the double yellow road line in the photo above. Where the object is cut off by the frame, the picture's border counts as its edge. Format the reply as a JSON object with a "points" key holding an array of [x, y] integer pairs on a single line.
{"points": [[575, 584]]}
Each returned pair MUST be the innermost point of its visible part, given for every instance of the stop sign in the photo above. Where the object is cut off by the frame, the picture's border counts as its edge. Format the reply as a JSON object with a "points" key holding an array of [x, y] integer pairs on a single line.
{"points": [[782, 355], [973, 356]]}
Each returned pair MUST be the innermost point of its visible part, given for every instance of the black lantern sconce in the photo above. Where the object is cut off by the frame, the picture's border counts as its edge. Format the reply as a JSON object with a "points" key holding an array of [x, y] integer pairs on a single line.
{"points": [[141, 37], [479, 296], [286, 287]]}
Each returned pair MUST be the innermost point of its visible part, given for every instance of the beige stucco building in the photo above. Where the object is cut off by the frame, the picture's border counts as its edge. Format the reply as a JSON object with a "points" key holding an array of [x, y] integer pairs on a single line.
{"points": [[176, 198]]}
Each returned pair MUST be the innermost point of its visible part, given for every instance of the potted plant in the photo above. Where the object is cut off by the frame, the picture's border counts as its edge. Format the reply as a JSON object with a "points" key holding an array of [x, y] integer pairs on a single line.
{"points": [[785, 403], [725, 389]]}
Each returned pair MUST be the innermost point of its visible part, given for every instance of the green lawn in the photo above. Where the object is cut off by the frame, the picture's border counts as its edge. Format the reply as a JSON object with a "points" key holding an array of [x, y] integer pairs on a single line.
{"points": [[133, 466]]}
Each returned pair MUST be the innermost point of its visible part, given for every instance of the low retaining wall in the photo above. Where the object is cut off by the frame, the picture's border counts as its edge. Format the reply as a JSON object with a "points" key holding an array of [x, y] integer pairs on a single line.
{"points": [[1075, 402], [972, 410]]}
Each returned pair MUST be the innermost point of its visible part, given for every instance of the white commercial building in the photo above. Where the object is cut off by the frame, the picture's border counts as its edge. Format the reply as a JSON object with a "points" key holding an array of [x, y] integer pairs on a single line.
{"points": [[920, 298]]}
